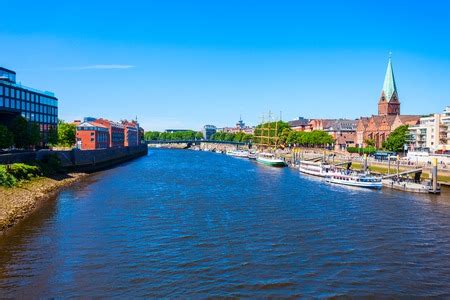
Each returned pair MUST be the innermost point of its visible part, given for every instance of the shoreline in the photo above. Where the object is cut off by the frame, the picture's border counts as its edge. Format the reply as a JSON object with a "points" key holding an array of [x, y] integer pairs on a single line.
{"points": [[19, 202]]}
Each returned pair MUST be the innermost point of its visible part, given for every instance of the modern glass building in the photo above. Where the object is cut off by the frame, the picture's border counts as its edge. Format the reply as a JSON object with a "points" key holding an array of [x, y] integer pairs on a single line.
{"points": [[36, 106]]}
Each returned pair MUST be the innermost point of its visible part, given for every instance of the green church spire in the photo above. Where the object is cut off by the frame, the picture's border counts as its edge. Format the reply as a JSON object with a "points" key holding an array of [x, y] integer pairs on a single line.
{"points": [[389, 87]]}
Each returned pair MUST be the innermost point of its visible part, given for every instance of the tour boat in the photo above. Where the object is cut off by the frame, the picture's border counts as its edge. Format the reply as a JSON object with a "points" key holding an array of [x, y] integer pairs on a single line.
{"points": [[269, 159], [252, 155], [238, 153], [315, 168], [355, 179]]}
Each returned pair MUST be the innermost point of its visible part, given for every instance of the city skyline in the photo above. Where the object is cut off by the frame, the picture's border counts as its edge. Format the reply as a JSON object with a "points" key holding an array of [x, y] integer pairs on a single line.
{"points": [[183, 66]]}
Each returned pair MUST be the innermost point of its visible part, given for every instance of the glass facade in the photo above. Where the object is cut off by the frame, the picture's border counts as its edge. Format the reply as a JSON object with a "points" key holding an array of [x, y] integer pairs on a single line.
{"points": [[35, 106]]}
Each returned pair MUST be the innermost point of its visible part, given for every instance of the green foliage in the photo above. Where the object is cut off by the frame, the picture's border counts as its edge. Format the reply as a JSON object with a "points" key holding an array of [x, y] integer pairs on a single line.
{"points": [[270, 132], [152, 135], [23, 172], [307, 139], [52, 136], [11, 175], [26, 134], [239, 137], [19, 128], [396, 139], [368, 150], [6, 179], [170, 136], [370, 142], [66, 134], [6, 137], [34, 134]]}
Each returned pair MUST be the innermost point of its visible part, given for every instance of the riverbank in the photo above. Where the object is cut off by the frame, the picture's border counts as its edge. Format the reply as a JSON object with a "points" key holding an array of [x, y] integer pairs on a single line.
{"points": [[18, 202]]}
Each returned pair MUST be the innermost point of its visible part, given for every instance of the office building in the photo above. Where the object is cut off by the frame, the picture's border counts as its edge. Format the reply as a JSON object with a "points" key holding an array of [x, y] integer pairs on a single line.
{"points": [[34, 105]]}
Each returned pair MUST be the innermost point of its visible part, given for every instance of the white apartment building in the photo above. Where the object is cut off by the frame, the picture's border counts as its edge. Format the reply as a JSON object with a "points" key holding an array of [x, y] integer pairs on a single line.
{"points": [[432, 134]]}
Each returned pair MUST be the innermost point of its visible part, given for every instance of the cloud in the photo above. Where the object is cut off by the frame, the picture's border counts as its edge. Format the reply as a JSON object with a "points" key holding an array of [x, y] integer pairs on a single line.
{"points": [[101, 67]]}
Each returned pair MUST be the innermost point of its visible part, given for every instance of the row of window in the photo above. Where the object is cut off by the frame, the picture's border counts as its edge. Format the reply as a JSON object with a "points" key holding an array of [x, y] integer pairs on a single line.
{"points": [[27, 96], [91, 128], [39, 118], [27, 106]]}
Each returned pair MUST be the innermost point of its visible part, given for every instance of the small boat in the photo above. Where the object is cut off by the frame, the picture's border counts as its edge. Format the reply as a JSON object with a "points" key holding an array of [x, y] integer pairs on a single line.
{"points": [[269, 159], [238, 153], [355, 179], [319, 169], [252, 155]]}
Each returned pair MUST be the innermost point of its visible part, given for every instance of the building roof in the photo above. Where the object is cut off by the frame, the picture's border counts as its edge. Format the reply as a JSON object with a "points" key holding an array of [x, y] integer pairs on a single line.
{"points": [[409, 119], [298, 123], [91, 124], [389, 86]]}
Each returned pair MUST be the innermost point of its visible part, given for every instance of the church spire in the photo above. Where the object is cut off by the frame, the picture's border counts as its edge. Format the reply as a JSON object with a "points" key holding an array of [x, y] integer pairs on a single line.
{"points": [[389, 87], [389, 103]]}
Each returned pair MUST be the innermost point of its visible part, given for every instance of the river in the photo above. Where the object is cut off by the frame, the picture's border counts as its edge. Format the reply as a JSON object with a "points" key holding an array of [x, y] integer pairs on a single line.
{"points": [[180, 223]]}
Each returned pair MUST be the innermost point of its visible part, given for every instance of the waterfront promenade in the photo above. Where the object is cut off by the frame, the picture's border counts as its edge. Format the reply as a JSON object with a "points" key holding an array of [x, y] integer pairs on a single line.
{"points": [[199, 224]]}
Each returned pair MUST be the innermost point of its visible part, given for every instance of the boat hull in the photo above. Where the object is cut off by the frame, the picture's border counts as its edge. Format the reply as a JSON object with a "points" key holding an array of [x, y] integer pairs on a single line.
{"points": [[272, 163], [369, 185]]}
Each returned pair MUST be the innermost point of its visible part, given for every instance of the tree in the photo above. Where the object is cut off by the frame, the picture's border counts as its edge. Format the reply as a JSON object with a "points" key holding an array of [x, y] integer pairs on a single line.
{"points": [[20, 131], [34, 134], [199, 135], [152, 135], [370, 142], [66, 134], [6, 137], [52, 136], [396, 139]]}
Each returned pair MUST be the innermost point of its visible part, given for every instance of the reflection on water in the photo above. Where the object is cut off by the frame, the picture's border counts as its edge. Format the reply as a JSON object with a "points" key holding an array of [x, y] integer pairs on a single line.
{"points": [[194, 224]]}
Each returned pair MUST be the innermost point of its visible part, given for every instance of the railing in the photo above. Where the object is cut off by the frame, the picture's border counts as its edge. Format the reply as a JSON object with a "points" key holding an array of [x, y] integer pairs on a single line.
{"points": [[195, 142]]}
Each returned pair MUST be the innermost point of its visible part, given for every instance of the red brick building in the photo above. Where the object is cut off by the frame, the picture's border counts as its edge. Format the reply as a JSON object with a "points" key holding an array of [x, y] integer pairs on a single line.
{"points": [[379, 127], [116, 132], [131, 133], [92, 136]]}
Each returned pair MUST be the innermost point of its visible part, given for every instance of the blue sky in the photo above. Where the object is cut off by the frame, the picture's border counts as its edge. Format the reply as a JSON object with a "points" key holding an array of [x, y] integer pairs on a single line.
{"points": [[183, 64]]}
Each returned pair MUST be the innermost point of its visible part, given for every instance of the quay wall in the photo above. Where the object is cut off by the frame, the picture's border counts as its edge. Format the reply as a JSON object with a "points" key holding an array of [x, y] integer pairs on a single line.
{"points": [[92, 160]]}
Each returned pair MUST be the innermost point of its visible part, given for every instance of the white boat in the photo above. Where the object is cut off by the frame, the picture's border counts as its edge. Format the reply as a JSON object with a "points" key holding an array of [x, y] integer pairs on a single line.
{"points": [[238, 153], [355, 179], [269, 159], [315, 168]]}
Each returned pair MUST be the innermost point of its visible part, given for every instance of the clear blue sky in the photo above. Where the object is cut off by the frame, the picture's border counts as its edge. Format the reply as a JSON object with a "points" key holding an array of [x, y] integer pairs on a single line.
{"points": [[183, 64]]}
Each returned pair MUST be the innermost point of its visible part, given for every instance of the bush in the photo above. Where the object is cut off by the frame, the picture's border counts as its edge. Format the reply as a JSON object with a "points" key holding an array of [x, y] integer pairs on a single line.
{"points": [[23, 172], [6, 179], [368, 150]]}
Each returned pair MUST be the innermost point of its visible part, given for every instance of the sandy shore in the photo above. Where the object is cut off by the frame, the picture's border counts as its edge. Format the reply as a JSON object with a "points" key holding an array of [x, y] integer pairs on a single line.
{"points": [[18, 202]]}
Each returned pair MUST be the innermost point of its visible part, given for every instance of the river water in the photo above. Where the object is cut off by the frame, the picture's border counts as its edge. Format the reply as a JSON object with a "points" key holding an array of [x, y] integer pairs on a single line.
{"points": [[182, 223]]}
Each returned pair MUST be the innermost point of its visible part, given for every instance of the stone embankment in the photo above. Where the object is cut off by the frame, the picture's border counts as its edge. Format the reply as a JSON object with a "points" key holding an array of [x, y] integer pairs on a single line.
{"points": [[18, 202]]}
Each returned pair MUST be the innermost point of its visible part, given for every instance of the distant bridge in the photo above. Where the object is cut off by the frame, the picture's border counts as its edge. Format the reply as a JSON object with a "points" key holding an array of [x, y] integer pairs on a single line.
{"points": [[197, 142]]}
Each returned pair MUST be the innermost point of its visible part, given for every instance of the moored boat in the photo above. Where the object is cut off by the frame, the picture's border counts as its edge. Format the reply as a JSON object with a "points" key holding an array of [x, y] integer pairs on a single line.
{"points": [[355, 179], [238, 153], [269, 159], [315, 168]]}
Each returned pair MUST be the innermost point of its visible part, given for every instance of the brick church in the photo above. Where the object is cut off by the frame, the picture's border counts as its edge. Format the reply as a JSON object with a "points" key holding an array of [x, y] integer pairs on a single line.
{"points": [[379, 127]]}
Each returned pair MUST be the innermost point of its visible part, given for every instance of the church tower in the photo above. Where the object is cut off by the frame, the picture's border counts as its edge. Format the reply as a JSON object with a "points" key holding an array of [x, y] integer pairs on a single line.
{"points": [[389, 103]]}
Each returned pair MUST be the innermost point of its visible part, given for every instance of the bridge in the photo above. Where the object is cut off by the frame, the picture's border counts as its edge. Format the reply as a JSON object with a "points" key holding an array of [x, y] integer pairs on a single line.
{"points": [[197, 142]]}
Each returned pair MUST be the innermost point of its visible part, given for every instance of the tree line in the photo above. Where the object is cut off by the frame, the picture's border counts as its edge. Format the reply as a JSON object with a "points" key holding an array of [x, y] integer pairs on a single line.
{"points": [[241, 137], [171, 136], [22, 134]]}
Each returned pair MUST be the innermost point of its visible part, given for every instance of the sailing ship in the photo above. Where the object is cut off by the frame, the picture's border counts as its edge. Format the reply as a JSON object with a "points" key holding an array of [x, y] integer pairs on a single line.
{"points": [[267, 158]]}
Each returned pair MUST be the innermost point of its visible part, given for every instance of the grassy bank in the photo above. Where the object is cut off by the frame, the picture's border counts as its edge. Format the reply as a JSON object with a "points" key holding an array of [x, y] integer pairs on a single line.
{"points": [[24, 186]]}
